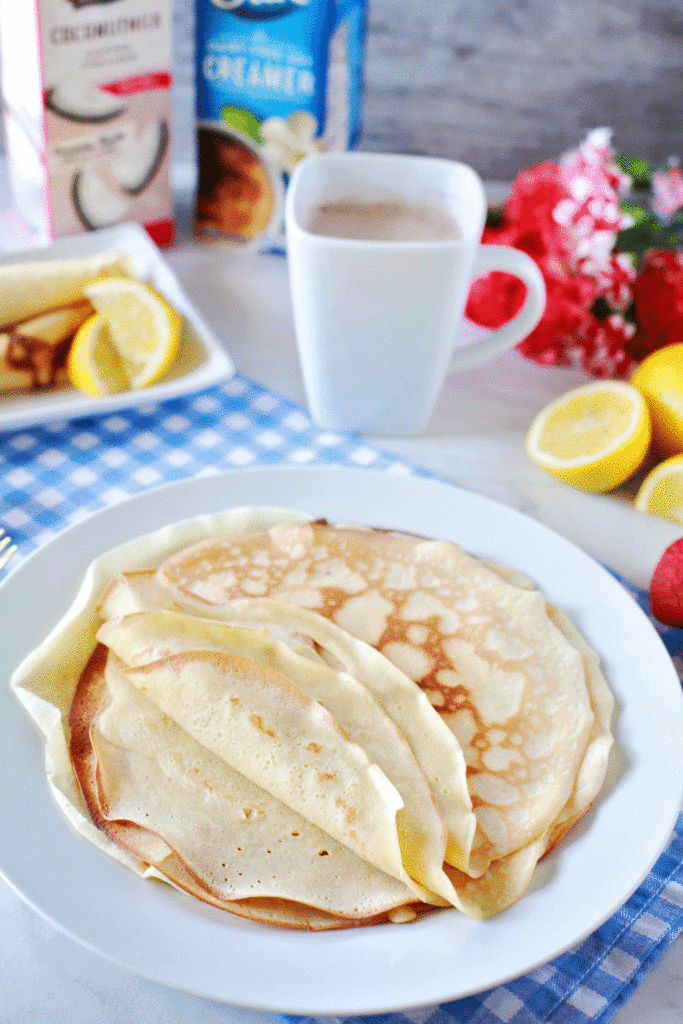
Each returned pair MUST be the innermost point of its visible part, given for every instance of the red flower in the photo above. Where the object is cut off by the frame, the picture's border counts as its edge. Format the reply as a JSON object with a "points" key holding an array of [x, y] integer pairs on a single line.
{"points": [[528, 225], [566, 216], [658, 302], [569, 296], [494, 299], [534, 196]]}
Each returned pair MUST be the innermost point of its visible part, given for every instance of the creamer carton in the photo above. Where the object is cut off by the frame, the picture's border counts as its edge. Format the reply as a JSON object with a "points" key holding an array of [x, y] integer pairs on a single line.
{"points": [[276, 80], [86, 95]]}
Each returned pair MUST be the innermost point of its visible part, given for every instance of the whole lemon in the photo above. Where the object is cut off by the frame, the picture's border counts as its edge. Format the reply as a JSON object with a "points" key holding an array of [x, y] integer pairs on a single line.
{"points": [[659, 378]]}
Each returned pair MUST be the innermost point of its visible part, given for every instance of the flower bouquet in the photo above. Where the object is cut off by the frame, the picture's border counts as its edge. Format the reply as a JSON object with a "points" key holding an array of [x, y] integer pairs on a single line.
{"points": [[607, 234]]}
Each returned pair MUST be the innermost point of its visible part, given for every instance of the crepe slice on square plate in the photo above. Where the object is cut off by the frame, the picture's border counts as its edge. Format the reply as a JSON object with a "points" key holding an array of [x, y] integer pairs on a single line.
{"points": [[31, 288], [518, 688], [42, 306]]}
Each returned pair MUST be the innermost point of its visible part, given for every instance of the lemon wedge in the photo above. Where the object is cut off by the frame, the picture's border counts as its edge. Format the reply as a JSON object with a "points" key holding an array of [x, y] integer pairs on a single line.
{"points": [[661, 492], [143, 327], [594, 437], [94, 364], [659, 378]]}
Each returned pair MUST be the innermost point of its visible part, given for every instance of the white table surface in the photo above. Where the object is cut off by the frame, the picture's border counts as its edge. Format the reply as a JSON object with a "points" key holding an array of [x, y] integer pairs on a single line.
{"points": [[475, 438]]}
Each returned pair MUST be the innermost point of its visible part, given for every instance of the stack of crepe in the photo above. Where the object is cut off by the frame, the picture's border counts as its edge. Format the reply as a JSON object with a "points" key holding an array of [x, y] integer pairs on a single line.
{"points": [[320, 726]]}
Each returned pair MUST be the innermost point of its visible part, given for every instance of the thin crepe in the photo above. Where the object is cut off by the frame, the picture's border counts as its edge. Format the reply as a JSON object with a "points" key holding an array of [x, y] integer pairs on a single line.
{"points": [[154, 637], [226, 841], [510, 685], [30, 288]]}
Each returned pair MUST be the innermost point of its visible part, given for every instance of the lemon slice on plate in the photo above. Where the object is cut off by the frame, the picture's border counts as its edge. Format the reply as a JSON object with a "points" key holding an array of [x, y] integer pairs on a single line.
{"points": [[594, 437], [143, 327], [659, 378], [661, 492], [94, 363]]}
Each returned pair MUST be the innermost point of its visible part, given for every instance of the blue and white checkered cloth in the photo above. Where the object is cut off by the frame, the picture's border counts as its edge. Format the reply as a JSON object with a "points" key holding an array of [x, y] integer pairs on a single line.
{"points": [[55, 475]]}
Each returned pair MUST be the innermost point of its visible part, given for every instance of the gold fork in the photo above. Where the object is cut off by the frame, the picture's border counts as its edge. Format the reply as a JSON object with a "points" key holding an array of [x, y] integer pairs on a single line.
{"points": [[7, 548]]}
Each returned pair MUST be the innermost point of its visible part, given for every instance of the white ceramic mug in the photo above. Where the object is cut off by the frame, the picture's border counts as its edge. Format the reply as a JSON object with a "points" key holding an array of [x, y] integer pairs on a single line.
{"points": [[376, 320]]}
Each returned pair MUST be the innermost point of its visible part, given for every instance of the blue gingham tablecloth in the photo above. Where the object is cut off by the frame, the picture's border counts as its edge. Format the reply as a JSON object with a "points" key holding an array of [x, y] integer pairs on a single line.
{"points": [[55, 475]]}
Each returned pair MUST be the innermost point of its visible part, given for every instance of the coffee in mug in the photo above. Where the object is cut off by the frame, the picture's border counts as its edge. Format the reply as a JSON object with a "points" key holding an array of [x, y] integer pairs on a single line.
{"points": [[384, 221]]}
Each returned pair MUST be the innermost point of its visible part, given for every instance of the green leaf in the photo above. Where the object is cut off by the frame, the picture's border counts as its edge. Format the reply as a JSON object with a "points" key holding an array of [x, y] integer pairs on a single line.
{"points": [[495, 217], [638, 170], [647, 233], [637, 213], [243, 120]]}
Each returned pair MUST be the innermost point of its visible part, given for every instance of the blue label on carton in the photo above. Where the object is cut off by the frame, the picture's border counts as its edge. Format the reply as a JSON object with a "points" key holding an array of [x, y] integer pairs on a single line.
{"points": [[276, 80]]}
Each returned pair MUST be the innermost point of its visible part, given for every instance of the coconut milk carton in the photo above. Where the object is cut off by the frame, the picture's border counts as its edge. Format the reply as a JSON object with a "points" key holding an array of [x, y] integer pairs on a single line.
{"points": [[86, 93], [276, 80]]}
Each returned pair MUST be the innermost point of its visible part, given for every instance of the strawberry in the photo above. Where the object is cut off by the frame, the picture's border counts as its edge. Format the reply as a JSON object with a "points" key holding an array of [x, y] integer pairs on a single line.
{"points": [[666, 586]]}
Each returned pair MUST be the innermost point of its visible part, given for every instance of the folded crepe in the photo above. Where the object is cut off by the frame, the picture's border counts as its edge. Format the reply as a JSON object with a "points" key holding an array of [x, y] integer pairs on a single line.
{"points": [[426, 721], [31, 288], [152, 638], [226, 841], [33, 354]]}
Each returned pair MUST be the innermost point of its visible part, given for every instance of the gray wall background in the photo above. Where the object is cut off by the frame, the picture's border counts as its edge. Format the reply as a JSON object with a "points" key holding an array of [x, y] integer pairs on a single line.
{"points": [[503, 83]]}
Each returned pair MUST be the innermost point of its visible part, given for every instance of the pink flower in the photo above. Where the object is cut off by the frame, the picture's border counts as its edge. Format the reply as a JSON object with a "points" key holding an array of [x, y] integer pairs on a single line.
{"points": [[593, 163], [615, 280], [667, 192], [600, 347], [592, 214], [566, 216]]}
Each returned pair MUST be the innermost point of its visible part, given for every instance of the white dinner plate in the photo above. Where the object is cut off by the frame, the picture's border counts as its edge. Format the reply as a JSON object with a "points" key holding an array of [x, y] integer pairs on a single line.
{"points": [[178, 941], [202, 360]]}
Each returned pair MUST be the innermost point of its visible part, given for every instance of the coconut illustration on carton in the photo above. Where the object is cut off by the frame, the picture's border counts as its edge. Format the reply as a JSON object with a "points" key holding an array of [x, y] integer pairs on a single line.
{"points": [[77, 99], [100, 203]]}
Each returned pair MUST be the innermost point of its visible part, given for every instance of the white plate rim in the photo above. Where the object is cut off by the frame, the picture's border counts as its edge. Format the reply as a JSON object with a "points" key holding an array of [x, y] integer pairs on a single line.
{"points": [[165, 937], [211, 363]]}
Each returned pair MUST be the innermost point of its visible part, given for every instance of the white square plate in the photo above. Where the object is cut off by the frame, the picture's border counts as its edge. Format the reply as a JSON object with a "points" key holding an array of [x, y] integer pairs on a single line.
{"points": [[202, 361]]}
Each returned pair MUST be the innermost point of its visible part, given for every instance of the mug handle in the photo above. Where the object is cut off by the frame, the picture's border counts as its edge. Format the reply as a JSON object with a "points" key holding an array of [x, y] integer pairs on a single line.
{"points": [[516, 262]]}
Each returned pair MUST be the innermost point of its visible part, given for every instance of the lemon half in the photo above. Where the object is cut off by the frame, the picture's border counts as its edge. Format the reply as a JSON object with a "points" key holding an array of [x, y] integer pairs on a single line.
{"points": [[659, 378], [94, 364], [594, 437], [661, 492], [143, 327]]}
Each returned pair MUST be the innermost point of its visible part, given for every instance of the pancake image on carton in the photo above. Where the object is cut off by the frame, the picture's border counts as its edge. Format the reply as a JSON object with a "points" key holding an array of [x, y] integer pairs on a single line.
{"points": [[239, 196], [320, 727]]}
